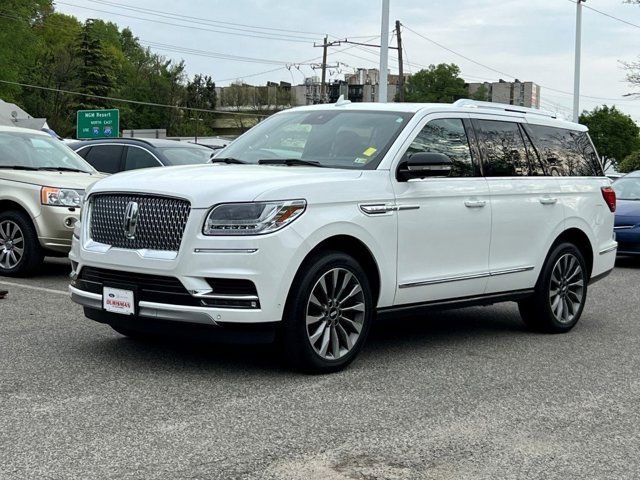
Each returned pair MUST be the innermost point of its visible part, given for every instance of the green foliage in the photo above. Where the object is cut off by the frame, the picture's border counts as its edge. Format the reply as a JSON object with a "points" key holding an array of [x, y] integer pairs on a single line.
{"points": [[41, 47], [630, 163], [19, 41], [436, 84], [481, 94], [614, 133]]}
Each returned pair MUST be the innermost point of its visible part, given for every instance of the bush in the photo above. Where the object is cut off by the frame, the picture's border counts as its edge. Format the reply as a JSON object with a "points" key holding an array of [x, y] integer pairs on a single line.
{"points": [[630, 163]]}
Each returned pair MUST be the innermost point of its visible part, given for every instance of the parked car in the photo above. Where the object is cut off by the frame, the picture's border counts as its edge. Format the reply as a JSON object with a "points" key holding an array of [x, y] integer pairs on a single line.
{"points": [[42, 184], [627, 224], [324, 216], [115, 155]]}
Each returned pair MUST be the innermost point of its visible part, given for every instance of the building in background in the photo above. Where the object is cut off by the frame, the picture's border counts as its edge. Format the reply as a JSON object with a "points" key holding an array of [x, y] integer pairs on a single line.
{"points": [[524, 94], [11, 115]]}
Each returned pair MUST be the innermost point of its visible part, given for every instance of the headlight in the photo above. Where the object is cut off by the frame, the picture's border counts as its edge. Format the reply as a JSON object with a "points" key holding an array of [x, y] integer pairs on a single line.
{"points": [[61, 197], [252, 218]]}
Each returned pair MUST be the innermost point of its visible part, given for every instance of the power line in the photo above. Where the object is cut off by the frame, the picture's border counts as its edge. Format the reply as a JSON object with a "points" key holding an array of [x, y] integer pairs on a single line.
{"points": [[190, 27], [173, 15], [123, 100], [508, 74], [608, 15]]}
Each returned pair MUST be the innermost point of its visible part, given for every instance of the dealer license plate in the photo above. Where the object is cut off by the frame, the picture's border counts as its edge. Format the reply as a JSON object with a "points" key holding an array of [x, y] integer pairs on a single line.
{"points": [[120, 301]]}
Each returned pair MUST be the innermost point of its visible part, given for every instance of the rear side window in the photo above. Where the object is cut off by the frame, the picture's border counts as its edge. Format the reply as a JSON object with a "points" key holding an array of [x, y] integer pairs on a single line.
{"points": [[447, 136], [565, 152], [503, 148], [138, 158], [84, 152], [105, 158]]}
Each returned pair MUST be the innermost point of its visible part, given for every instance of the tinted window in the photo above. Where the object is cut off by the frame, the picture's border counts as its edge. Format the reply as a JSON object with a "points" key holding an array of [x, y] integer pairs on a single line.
{"points": [[446, 136], [105, 158], [139, 158], [504, 152], [565, 152], [84, 152]]}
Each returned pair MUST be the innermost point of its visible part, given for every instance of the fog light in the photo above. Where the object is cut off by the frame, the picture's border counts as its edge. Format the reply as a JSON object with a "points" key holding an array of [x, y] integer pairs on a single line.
{"points": [[70, 222]]}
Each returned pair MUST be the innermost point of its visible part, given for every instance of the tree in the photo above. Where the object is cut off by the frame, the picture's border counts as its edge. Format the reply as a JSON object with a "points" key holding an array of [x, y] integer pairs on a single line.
{"points": [[436, 84], [614, 133], [19, 41], [482, 94], [630, 163]]}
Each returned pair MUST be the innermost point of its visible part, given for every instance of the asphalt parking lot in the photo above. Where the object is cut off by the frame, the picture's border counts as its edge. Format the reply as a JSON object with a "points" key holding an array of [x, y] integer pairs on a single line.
{"points": [[455, 395]]}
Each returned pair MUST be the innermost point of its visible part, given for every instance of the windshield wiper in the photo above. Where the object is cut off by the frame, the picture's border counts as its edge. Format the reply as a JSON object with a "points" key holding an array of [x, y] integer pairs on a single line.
{"points": [[290, 162], [62, 169], [17, 167], [228, 160]]}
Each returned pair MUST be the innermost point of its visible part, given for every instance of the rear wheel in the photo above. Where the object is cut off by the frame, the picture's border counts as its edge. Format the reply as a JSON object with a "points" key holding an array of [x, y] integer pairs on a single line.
{"points": [[20, 252], [560, 294], [328, 314]]}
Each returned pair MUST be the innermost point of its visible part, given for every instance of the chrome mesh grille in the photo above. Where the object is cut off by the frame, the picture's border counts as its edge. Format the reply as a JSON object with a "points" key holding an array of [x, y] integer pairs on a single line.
{"points": [[160, 226]]}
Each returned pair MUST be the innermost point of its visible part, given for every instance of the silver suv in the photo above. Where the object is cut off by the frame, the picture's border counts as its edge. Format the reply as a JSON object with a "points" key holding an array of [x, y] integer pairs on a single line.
{"points": [[42, 184]]}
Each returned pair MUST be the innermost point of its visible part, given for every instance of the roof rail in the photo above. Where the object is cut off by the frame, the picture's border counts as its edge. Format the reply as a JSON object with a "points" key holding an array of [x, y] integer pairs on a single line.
{"points": [[465, 102]]}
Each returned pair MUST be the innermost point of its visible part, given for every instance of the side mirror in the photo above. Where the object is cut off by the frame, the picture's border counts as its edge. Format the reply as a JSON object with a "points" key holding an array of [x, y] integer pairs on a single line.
{"points": [[424, 164]]}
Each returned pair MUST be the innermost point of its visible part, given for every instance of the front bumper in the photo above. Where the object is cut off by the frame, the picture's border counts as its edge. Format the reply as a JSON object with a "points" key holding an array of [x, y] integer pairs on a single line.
{"points": [[628, 240], [55, 227], [270, 262], [160, 311]]}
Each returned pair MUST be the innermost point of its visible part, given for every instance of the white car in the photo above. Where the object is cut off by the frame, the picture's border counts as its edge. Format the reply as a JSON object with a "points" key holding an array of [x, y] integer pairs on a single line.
{"points": [[321, 217]]}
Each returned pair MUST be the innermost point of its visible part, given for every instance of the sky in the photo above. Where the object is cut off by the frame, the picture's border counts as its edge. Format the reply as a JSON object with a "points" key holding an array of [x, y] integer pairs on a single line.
{"points": [[530, 40]]}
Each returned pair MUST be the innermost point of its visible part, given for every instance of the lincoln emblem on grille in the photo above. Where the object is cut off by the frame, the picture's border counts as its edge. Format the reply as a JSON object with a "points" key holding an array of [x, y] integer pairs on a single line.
{"points": [[130, 220]]}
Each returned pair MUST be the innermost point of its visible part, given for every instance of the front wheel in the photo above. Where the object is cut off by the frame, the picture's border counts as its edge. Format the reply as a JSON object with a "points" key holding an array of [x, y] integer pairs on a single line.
{"points": [[328, 314], [560, 294], [20, 252]]}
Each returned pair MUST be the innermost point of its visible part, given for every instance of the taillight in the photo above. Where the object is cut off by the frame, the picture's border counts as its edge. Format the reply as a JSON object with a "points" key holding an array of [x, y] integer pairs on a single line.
{"points": [[609, 196]]}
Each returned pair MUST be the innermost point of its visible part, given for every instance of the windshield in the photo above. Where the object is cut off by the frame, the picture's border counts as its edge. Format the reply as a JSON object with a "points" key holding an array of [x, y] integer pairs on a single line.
{"points": [[38, 152], [187, 155], [340, 139], [627, 188]]}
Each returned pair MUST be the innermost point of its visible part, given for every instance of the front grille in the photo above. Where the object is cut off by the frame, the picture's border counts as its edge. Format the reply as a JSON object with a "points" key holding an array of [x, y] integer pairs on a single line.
{"points": [[150, 288], [160, 225]]}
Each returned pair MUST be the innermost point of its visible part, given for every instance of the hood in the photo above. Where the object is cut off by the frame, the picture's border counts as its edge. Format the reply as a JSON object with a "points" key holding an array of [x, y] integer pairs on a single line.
{"points": [[205, 185], [627, 212], [75, 180]]}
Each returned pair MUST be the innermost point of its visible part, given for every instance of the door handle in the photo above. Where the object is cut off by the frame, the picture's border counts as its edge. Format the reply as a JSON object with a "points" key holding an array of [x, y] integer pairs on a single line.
{"points": [[474, 203], [548, 200]]}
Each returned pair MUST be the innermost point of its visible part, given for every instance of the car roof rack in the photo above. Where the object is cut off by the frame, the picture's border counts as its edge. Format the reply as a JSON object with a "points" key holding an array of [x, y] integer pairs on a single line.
{"points": [[465, 102]]}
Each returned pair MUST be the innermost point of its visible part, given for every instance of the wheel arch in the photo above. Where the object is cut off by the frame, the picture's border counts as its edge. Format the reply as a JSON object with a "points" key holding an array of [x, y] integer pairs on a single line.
{"points": [[6, 205], [580, 239], [355, 248]]}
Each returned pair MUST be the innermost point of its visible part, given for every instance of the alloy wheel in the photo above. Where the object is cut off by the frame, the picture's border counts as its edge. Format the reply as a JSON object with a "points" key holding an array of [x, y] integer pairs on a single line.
{"points": [[11, 244], [335, 314], [566, 289]]}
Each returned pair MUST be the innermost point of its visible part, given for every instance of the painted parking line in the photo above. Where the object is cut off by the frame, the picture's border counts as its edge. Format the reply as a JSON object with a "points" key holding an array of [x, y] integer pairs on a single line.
{"points": [[39, 289]]}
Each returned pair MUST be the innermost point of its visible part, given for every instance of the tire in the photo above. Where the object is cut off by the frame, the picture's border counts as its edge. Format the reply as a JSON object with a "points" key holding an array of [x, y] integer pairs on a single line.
{"points": [[560, 293], [20, 251], [339, 321]]}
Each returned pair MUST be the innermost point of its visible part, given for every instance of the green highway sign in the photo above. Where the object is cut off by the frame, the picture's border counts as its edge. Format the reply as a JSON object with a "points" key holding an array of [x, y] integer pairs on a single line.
{"points": [[98, 124]]}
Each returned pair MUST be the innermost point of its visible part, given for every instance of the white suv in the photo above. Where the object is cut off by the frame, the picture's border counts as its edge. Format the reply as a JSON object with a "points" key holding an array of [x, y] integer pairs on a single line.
{"points": [[321, 217]]}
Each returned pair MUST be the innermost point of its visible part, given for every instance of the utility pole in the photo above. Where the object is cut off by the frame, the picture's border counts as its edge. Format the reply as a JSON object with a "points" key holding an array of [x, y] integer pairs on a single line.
{"points": [[576, 74], [323, 85], [400, 66], [325, 46], [384, 53]]}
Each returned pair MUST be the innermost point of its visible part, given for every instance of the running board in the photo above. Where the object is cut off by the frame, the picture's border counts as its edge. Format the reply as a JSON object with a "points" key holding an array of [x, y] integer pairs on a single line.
{"points": [[460, 302]]}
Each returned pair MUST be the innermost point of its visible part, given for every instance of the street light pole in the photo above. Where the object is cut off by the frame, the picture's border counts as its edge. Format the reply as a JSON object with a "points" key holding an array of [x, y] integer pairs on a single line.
{"points": [[576, 74], [384, 53]]}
